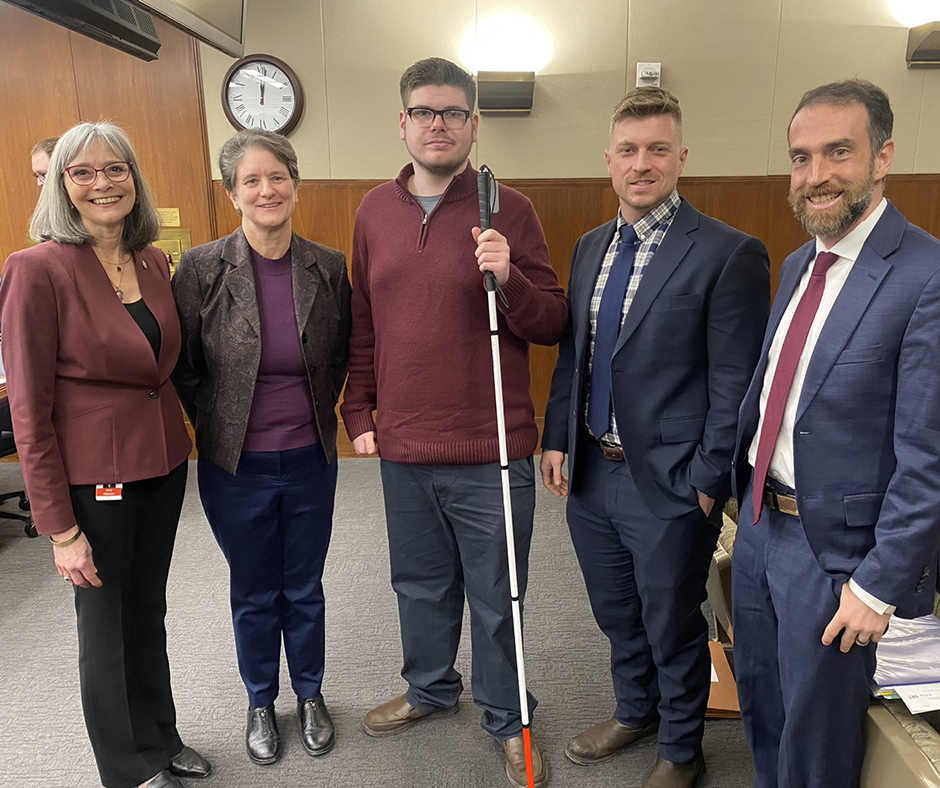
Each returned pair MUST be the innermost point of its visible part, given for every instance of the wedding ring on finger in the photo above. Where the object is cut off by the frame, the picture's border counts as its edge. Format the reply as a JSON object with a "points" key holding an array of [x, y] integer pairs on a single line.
{"points": [[860, 642], [68, 578]]}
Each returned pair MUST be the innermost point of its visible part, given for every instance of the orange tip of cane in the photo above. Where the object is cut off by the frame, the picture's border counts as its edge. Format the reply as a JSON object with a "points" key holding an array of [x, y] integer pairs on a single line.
{"points": [[527, 747]]}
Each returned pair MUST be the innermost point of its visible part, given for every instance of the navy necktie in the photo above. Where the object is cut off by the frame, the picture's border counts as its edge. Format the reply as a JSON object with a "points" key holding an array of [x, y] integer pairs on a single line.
{"points": [[609, 315]]}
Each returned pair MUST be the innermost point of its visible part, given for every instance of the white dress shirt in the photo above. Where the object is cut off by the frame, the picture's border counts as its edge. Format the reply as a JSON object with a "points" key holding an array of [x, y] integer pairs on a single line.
{"points": [[781, 461]]}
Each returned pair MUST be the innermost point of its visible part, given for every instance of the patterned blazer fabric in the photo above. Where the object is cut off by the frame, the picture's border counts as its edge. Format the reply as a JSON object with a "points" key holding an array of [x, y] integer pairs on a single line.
{"points": [[217, 301]]}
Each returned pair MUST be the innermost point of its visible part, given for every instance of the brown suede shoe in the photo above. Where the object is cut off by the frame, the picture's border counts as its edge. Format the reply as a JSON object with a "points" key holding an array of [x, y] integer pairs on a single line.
{"points": [[398, 715], [515, 763], [604, 741], [666, 774]]}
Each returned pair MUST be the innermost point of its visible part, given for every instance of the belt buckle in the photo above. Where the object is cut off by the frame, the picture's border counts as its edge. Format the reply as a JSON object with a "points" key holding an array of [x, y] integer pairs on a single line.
{"points": [[610, 451], [781, 502]]}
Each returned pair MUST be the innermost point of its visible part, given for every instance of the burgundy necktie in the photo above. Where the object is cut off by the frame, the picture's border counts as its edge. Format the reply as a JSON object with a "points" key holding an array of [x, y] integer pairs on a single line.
{"points": [[786, 368]]}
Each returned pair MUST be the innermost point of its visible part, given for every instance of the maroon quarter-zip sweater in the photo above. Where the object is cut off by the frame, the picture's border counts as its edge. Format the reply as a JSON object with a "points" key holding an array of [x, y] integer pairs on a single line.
{"points": [[420, 353]]}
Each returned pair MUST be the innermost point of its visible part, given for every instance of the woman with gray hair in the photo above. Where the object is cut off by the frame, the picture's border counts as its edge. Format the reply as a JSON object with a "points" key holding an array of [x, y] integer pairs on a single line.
{"points": [[90, 337], [266, 319]]}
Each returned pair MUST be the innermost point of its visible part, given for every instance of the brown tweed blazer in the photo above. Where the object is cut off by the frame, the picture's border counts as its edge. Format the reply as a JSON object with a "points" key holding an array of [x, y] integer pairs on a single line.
{"points": [[215, 295]]}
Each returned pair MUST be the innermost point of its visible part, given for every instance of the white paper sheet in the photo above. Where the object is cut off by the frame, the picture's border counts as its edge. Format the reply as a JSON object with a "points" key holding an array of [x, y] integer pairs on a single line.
{"points": [[920, 697]]}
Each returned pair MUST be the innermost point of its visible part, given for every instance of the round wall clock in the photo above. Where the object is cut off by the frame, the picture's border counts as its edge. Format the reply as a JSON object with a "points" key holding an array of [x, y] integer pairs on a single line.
{"points": [[262, 92]]}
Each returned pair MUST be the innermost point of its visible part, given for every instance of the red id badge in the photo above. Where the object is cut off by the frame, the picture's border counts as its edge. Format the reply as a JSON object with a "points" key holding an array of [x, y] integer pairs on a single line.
{"points": [[108, 492]]}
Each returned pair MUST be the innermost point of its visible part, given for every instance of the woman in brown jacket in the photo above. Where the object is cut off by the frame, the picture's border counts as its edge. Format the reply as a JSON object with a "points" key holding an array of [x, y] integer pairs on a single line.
{"points": [[265, 317]]}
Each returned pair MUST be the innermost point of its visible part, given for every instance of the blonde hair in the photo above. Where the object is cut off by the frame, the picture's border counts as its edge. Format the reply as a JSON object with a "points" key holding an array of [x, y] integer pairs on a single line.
{"points": [[44, 146], [647, 101]]}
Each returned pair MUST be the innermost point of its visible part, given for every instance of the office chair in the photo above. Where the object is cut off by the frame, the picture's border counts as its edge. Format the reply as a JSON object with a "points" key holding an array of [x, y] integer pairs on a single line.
{"points": [[7, 447]]}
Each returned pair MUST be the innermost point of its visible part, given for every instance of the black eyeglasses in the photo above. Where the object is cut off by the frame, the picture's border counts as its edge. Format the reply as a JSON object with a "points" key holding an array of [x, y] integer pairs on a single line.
{"points": [[453, 117], [83, 175]]}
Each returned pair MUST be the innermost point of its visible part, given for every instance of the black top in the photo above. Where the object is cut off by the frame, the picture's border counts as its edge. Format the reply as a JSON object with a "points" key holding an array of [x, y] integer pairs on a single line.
{"points": [[148, 324]]}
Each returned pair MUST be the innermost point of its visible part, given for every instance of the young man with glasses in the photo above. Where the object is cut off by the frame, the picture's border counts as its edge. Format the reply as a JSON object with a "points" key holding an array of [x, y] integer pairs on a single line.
{"points": [[420, 356]]}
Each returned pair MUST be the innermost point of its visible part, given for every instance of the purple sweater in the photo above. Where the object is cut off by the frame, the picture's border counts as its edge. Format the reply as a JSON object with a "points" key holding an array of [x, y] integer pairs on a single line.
{"points": [[281, 415]]}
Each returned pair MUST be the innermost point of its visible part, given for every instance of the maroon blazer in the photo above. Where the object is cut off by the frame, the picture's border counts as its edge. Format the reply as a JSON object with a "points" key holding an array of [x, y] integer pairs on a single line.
{"points": [[90, 404]]}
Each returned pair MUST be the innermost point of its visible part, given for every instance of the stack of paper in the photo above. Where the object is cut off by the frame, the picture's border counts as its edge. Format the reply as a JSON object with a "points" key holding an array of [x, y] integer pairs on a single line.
{"points": [[909, 663]]}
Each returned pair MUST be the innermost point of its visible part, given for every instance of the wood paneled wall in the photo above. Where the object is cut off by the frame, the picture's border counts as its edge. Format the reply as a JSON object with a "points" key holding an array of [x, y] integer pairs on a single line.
{"points": [[568, 208], [53, 78]]}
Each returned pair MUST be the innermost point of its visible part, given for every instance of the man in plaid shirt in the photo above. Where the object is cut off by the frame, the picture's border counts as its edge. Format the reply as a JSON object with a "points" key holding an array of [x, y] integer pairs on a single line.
{"points": [[668, 308]]}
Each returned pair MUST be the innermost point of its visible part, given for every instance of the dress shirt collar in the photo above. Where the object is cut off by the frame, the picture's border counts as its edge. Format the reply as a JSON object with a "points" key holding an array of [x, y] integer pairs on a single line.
{"points": [[661, 214], [850, 247]]}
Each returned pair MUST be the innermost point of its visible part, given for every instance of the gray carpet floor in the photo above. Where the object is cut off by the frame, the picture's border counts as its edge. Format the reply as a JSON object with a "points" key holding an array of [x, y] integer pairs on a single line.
{"points": [[42, 736]]}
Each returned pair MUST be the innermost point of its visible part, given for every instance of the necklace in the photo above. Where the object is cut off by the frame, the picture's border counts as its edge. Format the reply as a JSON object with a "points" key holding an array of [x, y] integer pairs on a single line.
{"points": [[119, 267], [122, 261], [117, 287]]}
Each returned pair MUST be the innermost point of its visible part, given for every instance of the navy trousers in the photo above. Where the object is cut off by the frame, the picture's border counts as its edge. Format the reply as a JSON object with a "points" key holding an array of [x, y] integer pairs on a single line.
{"points": [[447, 537], [645, 578], [122, 659], [803, 703], [273, 521]]}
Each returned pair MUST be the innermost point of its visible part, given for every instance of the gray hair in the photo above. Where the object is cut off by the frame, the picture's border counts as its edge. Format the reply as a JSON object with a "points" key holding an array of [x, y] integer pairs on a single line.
{"points": [[235, 148], [55, 218]]}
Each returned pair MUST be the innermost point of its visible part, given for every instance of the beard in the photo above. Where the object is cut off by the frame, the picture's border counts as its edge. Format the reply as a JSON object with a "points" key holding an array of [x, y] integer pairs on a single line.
{"points": [[835, 221], [444, 170]]}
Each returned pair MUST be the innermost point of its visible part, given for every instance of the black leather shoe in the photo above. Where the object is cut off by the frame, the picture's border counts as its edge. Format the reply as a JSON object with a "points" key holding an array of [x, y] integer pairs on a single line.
{"points": [[316, 726], [165, 780], [262, 738], [189, 763]]}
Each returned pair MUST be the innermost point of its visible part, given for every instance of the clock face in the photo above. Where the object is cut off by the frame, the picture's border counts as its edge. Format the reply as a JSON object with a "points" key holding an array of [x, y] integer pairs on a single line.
{"points": [[262, 94]]}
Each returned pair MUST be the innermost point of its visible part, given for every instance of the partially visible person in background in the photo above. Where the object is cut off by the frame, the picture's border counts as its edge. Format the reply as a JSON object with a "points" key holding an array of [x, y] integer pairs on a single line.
{"points": [[39, 156], [266, 317], [90, 337]]}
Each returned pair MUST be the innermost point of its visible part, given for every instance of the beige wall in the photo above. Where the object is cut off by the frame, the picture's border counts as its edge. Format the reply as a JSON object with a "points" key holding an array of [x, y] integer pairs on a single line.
{"points": [[737, 66]]}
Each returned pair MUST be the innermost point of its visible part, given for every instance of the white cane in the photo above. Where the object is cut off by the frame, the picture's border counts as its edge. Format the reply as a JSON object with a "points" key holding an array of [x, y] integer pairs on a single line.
{"points": [[489, 204]]}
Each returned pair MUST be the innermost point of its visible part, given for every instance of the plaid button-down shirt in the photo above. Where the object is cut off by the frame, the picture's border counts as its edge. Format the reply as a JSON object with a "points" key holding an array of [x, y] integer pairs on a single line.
{"points": [[650, 231]]}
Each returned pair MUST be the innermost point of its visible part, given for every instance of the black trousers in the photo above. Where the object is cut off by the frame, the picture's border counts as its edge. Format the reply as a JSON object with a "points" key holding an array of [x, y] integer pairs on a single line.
{"points": [[123, 665]]}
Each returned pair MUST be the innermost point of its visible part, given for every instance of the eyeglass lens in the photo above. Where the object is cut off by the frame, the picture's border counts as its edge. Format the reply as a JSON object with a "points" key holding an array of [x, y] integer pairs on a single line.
{"points": [[453, 118], [85, 176]]}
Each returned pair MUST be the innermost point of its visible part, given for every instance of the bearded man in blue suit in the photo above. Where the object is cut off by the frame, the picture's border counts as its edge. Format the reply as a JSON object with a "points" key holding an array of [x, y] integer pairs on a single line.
{"points": [[668, 307], [839, 520]]}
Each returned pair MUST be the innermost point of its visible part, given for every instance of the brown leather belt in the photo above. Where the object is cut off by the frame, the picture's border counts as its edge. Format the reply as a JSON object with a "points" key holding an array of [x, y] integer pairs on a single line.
{"points": [[610, 451], [780, 502]]}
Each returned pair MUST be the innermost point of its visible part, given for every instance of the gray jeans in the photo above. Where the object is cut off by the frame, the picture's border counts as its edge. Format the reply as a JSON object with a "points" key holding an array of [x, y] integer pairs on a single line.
{"points": [[446, 536]]}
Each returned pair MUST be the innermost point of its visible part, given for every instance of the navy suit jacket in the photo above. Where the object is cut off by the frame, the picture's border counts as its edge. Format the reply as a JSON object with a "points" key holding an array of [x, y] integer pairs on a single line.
{"points": [[681, 365], [866, 442]]}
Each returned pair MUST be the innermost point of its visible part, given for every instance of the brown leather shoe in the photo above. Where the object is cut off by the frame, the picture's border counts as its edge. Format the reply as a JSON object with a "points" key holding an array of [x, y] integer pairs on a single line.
{"points": [[666, 774], [605, 740], [515, 763], [398, 715]]}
